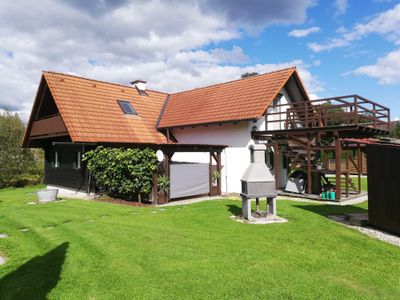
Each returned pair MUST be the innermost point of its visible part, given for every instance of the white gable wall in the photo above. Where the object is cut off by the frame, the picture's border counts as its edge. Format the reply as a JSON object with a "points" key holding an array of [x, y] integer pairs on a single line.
{"points": [[236, 157]]}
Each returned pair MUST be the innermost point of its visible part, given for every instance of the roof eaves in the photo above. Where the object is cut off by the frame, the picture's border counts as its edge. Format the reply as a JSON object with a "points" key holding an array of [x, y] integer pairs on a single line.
{"points": [[210, 123]]}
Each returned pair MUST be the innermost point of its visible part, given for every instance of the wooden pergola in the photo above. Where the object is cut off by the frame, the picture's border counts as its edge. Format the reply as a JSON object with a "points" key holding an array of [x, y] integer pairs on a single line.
{"points": [[215, 157]]}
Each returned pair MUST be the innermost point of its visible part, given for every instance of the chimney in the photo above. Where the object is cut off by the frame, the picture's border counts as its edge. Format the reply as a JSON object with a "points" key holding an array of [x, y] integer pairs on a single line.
{"points": [[140, 85]]}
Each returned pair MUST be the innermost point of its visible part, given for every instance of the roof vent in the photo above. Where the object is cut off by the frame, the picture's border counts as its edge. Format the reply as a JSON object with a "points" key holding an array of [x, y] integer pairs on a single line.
{"points": [[141, 86]]}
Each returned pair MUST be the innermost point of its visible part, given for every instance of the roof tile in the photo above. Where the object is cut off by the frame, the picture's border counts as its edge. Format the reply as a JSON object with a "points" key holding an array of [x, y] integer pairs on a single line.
{"points": [[235, 100], [91, 113]]}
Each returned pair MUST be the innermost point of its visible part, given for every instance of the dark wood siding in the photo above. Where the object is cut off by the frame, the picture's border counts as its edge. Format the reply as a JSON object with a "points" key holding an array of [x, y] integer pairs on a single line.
{"points": [[384, 187], [65, 175]]}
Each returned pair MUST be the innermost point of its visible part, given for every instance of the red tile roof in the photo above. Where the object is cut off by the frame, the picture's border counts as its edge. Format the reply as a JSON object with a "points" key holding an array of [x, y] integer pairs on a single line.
{"points": [[230, 101], [91, 113]]}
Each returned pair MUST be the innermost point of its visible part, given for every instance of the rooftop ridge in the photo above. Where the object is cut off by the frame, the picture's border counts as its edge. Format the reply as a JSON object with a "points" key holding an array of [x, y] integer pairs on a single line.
{"points": [[99, 81], [235, 80]]}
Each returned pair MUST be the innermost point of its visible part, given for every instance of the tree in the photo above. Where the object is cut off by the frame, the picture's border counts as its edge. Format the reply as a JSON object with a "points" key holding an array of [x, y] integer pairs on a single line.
{"points": [[395, 133], [248, 74], [18, 166]]}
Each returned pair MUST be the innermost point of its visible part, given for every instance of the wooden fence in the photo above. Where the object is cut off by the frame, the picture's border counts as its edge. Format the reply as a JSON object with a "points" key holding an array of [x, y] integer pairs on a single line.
{"points": [[331, 165]]}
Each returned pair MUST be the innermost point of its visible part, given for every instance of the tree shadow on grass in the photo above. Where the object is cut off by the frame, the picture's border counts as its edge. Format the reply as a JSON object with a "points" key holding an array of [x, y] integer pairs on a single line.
{"points": [[234, 209], [36, 278], [326, 210]]}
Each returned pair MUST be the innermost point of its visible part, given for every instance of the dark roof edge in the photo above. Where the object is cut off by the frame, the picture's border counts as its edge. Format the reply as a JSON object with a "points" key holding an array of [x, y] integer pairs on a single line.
{"points": [[162, 112], [211, 123]]}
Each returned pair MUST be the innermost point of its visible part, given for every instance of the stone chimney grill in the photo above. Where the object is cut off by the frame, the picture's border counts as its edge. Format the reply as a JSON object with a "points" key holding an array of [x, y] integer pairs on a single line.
{"points": [[258, 182]]}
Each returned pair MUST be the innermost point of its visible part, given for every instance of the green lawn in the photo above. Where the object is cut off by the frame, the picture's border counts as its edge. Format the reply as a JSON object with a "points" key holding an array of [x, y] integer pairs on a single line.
{"points": [[364, 182], [80, 249]]}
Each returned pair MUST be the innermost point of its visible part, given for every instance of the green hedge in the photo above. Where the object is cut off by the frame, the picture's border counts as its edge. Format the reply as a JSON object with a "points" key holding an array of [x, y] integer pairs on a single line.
{"points": [[125, 173]]}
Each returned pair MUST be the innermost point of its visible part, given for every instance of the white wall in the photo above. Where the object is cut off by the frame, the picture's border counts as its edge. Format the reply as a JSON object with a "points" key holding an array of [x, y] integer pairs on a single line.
{"points": [[236, 157], [284, 100]]}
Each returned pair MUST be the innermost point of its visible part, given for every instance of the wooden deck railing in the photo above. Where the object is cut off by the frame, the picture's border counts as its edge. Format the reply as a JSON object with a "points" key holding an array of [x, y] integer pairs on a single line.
{"points": [[335, 111]]}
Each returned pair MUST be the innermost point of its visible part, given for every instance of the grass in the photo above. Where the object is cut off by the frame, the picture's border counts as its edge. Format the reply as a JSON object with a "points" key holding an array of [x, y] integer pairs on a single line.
{"points": [[79, 249], [364, 182]]}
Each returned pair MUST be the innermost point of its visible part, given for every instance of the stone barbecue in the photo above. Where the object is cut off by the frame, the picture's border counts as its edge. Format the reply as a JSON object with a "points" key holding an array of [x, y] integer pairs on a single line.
{"points": [[258, 182]]}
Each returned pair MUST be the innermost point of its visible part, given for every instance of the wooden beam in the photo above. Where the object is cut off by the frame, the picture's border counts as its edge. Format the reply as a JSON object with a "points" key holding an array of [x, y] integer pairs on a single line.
{"points": [[210, 174], [338, 154], [154, 193], [219, 172], [166, 168], [347, 173], [299, 141], [359, 163], [276, 164], [309, 175]]}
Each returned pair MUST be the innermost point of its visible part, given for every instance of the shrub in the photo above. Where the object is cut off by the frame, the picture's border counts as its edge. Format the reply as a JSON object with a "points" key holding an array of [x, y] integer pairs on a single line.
{"points": [[122, 172], [163, 183]]}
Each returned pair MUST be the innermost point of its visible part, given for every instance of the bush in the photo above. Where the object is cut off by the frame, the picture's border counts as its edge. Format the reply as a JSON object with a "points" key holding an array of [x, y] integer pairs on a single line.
{"points": [[122, 172]]}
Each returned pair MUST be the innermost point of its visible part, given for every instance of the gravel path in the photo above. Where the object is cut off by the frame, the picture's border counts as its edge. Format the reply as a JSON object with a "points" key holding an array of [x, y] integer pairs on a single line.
{"points": [[370, 231]]}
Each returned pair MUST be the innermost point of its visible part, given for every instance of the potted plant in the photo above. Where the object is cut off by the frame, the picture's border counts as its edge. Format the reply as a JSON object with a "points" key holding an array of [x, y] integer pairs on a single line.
{"points": [[163, 186], [319, 164], [214, 186]]}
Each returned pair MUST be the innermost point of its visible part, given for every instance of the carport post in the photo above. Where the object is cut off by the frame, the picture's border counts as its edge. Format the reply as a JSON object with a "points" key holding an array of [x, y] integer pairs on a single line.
{"points": [[210, 175], [167, 157], [338, 165], [219, 171]]}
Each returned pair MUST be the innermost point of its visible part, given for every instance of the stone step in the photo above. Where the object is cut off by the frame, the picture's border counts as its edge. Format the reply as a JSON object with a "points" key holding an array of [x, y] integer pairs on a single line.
{"points": [[357, 219]]}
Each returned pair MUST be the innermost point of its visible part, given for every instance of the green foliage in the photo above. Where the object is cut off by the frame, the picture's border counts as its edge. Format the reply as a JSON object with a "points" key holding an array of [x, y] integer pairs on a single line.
{"points": [[163, 183], [334, 114], [216, 175], [122, 172], [19, 166], [395, 133], [248, 74]]}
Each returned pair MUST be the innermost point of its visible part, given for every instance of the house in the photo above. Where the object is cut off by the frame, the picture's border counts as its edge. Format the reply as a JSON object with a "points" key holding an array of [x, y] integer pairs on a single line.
{"points": [[199, 131]]}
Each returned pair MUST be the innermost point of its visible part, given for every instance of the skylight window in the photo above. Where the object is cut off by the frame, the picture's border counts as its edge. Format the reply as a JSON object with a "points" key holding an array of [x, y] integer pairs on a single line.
{"points": [[127, 107]]}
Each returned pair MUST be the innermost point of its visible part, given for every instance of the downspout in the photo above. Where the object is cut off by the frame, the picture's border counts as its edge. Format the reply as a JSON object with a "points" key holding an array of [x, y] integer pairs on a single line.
{"points": [[226, 172]]}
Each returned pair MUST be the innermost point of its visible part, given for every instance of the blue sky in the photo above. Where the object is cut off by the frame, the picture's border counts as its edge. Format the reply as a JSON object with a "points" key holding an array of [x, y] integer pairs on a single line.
{"points": [[331, 67], [340, 47]]}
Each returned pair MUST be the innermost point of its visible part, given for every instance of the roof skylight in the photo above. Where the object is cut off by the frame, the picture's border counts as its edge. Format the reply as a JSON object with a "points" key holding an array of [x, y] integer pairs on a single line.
{"points": [[126, 107]]}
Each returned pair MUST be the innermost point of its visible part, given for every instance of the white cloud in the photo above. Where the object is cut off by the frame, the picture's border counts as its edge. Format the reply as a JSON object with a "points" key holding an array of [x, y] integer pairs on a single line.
{"points": [[386, 69], [304, 32], [172, 44], [341, 7], [317, 63], [386, 24]]}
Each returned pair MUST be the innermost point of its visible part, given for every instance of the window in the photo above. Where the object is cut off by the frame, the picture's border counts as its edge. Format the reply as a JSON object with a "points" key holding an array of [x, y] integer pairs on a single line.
{"points": [[56, 159], [127, 107], [77, 160]]}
